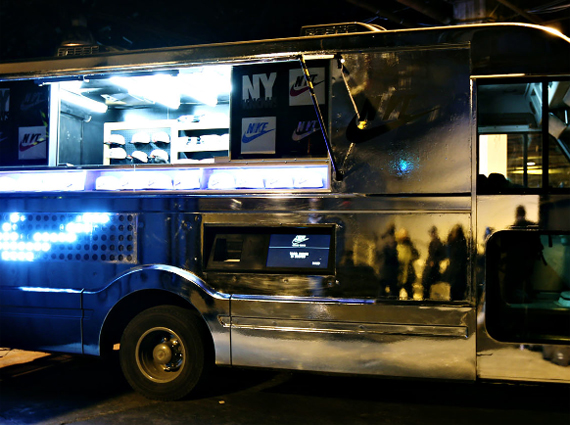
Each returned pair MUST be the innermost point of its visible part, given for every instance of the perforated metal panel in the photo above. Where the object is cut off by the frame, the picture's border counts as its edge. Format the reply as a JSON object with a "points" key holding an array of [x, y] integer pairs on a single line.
{"points": [[69, 237]]}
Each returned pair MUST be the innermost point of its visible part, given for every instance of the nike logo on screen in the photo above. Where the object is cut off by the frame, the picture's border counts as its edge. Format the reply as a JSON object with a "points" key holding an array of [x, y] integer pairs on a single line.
{"points": [[300, 239]]}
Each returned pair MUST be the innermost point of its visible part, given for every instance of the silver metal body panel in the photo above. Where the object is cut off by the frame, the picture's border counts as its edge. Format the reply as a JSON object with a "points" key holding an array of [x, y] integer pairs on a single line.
{"points": [[414, 109], [347, 323], [516, 361], [377, 339], [351, 322]]}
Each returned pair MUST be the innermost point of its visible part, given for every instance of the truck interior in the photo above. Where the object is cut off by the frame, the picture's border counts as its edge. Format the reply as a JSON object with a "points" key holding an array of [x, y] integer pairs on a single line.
{"points": [[511, 125]]}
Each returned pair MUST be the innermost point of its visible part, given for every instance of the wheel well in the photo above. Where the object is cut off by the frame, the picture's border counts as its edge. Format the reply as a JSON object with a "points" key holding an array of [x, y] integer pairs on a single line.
{"points": [[127, 308]]}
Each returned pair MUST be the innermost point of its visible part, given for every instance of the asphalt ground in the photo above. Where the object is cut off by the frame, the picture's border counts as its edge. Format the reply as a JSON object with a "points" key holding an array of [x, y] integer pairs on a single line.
{"points": [[55, 389]]}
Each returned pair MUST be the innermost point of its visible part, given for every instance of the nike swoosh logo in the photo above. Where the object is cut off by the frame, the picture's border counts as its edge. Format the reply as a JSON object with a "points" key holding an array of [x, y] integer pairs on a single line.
{"points": [[246, 139], [24, 148], [297, 92], [354, 134], [300, 136]]}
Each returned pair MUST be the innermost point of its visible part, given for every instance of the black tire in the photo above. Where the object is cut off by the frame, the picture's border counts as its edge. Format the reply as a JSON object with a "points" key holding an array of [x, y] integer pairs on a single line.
{"points": [[164, 353]]}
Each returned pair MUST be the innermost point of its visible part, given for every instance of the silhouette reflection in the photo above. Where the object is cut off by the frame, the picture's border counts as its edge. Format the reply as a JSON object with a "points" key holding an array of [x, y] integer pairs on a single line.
{"points": [[456, 272], [407, 255], [390, 265], [432, 270], [387, 261], [521, 257]]}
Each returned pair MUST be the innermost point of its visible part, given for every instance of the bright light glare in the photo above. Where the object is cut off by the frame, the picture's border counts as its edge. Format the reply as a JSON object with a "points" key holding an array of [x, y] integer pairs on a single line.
{"points": [[94, 218], [206, 85], [160, 88], [556, 32], [13, 245], [79, 228], [17, 256]]}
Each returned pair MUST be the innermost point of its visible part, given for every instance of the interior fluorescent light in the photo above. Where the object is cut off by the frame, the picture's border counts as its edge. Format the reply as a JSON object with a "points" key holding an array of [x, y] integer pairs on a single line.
{"points": [[206, 84], [83, 102], [160, 88]]}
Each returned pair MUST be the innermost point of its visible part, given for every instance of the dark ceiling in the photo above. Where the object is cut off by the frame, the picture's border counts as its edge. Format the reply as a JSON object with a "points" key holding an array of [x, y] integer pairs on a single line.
{"points": [[35, 28]]}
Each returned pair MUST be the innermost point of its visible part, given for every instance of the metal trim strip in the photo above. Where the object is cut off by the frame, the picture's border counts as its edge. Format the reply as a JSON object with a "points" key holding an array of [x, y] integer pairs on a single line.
{"points": [[314, 326]]}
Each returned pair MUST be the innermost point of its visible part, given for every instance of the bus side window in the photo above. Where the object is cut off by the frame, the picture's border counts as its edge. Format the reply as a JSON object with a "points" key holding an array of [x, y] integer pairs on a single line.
{"points": [[559, 131], [510, 137], [528, 286], [512, 125]]}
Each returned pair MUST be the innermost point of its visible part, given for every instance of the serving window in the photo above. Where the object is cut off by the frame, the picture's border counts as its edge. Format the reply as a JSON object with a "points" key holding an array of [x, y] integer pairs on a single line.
{"points": [[176, 117], [219, 127]]}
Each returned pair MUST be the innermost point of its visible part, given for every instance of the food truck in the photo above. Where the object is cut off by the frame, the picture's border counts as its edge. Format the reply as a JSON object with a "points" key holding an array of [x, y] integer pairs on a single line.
{"points": [[353, 200]]}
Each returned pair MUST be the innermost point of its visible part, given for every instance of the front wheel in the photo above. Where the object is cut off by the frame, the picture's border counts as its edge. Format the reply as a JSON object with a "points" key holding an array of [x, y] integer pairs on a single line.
{"points": [[163, 353]]}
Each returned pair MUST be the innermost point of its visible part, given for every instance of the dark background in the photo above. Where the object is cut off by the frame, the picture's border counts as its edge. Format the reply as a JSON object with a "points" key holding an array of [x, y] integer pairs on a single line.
{"points": [[35, 28]]}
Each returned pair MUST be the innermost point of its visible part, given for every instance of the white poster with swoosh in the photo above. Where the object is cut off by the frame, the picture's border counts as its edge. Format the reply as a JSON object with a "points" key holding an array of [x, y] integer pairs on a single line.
{"points": [[299, 93], [32, 142], [258, 135]]}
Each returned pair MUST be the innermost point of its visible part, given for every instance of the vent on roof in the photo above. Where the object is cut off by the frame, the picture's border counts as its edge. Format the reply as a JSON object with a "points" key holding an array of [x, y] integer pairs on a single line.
{"points": [[342, 28], [77, 50]]}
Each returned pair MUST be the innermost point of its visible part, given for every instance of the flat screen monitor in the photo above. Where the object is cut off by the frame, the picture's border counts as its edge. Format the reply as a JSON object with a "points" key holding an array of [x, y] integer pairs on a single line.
{"points": [[298, 251]]}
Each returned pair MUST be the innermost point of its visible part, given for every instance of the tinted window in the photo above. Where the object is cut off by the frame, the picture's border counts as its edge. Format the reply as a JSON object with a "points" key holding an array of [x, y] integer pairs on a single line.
{"points": [[528, 286]]}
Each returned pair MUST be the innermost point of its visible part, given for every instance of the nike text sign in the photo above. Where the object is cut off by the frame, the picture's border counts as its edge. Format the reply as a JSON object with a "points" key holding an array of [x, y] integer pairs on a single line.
{"points": [[299, 93], [32, 142], [258, 135], [305, 129]]}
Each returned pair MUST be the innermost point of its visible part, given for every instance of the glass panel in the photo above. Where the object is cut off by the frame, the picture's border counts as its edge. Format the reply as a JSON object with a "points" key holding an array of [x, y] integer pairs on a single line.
{"points": [[510, 137], [524, 160], [528, 286], [558, 127]]}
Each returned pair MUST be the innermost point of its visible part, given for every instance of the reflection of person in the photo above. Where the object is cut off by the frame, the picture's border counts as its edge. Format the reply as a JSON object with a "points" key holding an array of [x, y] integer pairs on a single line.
{"points": [[456, 273], [520, 218], [523, 251], [407, 255], [388, 263], [436, 254]]}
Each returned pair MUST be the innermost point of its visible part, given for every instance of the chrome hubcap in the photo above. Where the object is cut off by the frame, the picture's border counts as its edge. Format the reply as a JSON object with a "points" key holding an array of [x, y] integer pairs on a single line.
{"points": [[160, 355]]}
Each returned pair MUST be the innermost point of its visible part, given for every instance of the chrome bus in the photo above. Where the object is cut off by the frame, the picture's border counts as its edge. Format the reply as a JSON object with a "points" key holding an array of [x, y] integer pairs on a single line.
{"points": [[352, 200]]}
